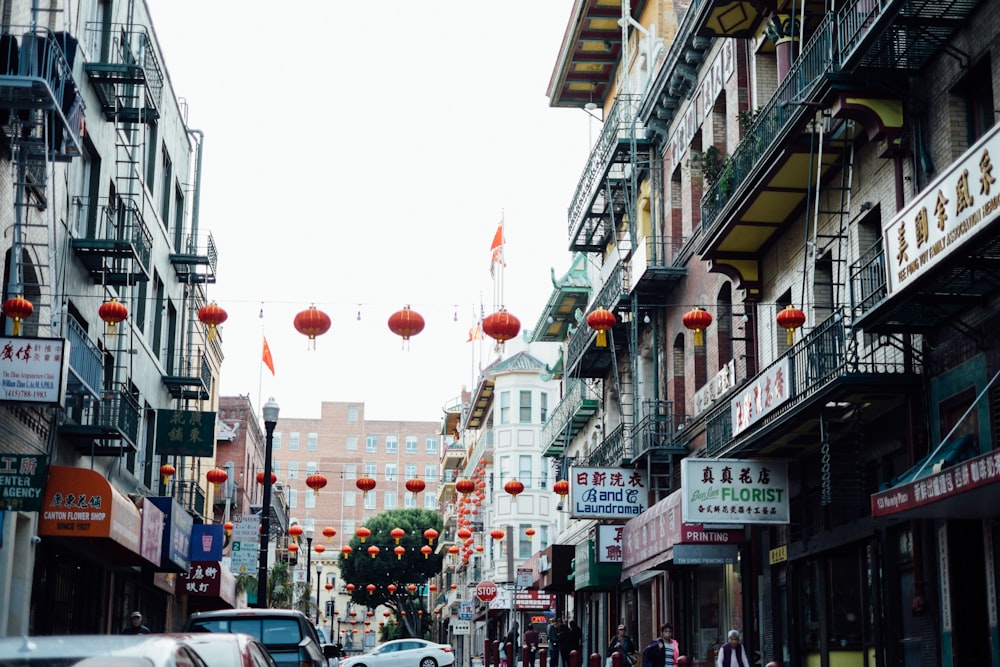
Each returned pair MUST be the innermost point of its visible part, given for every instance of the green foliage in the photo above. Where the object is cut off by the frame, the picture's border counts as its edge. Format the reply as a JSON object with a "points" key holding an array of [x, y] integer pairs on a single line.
{"points": [[713, 164], [279, 587], [361, 569]]}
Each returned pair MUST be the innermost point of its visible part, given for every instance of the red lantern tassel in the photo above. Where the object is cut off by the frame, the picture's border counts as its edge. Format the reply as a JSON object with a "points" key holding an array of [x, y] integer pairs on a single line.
{"points": [[790, 338], [602, 338]]}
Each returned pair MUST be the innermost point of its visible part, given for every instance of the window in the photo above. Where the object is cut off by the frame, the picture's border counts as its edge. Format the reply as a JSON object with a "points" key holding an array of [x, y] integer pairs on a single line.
{"points": [[276, 442], [353, 413], [352, 443], [524, 408], [390, 472], [310, 468], [524, 472], [350, 500], [431, 445], [350, 526], [371, 443], [310, 499], [370, 500], [977, 95], [543, 478], [293, 496], [166, 192], [449, 475], [351, 471], [293, 442], [504, 407], [410, 470], [430, 502], [389, 501], [543, 406], [371, 470], [275, 467], [410, 500], [312, 442], [391, 444], [524, 549], [293, 470], [430, 472], [411, 444]]}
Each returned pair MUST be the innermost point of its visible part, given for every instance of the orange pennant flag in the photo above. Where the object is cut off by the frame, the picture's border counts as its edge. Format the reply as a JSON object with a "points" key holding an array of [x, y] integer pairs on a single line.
{"points": [[268, 360], [496, 248]]}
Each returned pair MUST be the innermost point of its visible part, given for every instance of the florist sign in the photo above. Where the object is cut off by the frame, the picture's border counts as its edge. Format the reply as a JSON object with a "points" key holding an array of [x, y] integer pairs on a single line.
{"points": [[607, 493], [728, 491]]}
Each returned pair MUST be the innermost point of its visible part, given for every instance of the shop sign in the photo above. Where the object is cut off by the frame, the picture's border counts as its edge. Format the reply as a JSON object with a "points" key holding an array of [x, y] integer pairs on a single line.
{"points": [[465, 610], [761, 396], [956, 479], [151, 547], [533, 599], [185, 432], [33, 370], [461, 626], [22, 481], [206, 541], [503, 600], [177, 536], [948, 214], [705, 554], [609, 544], [208, 579], [607, 493], [719, 384], [79, 502], [734, 491]]}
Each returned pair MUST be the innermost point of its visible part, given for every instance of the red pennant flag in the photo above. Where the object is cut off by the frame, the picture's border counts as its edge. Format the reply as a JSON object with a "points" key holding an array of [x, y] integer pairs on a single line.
{"points": [[496, 248], [268, 360]]}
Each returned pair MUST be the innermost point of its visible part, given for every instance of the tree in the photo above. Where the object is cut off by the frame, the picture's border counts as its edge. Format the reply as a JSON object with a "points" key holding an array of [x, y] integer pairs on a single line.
{"points": [[413, 567]]}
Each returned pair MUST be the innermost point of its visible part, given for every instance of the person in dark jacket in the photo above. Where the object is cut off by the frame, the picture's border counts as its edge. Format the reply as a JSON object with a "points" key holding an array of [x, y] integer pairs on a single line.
{"points": [[552, 635], [623, 644], [570, 639], [136, 627], [663, 651]]}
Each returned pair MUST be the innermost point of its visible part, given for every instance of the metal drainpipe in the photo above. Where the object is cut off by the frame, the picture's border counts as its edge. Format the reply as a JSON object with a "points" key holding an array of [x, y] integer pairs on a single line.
{"points": [[192, 247]]}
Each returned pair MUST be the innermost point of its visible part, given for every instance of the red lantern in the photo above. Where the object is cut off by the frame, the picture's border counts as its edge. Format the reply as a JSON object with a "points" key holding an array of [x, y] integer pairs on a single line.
{"points": [[347, 550], [293, 547], [513, 487], [167, 471], [432, 588], [530, 532], [479, 548], [312, 322], [790, 319], [497, 534], [373, 551], [328, 586], [212, 315], [602, 320], [561, 487], [295, 530], [397, 534], [697, 320], [399, 551], [217, 476], [363, 533], [228, 527], [18, 308], [370, 588], [113, 312], [350, 589], [465, 486], [501, 326], [426, 551], [453, 549], [260, 478], [412, 588], [415, 485], [316, 482], [464, 533], [453, 586], [319, 548], [392, 590], [430, 535], [406, 323], [365, 484], [329, 532]]}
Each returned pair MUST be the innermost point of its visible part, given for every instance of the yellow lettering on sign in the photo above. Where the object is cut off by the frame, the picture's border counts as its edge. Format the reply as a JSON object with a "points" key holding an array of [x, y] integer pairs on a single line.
{"points": [[778, 555]]}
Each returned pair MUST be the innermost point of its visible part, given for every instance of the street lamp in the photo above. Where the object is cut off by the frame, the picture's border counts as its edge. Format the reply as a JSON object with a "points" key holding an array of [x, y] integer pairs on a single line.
{"points": [[319, 575], [270, 411], [310, 531]]}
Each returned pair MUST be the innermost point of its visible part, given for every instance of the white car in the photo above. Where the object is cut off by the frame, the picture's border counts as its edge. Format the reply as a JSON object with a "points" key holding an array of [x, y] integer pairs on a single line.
{"points": [[404, 653]]}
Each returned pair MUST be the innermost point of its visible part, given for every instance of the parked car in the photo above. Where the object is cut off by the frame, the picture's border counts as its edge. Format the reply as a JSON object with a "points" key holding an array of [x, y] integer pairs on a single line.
{"points": [[404, 653], [288, 635], [229, 649], [98, 650]]}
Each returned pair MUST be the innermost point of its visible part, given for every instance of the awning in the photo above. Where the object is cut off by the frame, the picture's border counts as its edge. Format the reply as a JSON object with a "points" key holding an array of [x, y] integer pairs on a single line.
{"points": [[210, 582], [967, 489], [554, 567], [80, 504]]}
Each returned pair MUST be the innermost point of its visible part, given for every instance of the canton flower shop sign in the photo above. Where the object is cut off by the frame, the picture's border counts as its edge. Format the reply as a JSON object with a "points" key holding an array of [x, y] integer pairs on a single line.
{"points": [[734, 491], [607, 493]]}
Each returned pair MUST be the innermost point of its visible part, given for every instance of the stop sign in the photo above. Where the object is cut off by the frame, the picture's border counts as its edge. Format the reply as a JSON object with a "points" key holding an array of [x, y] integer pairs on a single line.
{"points": [[486, 590]]}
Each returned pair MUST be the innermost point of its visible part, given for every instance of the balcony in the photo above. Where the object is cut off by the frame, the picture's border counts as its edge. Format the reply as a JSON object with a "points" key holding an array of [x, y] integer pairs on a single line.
{"points": [[190, 496], [583, 358], [86, 364], [129, 81], [653, 435], [482, 451], [830, 372], [453, 456], [574, 410], [656, 265], [105, 425], [194, 387], [196, 264], [36, 74], [116, 246], [599, 202], [614, 451]]}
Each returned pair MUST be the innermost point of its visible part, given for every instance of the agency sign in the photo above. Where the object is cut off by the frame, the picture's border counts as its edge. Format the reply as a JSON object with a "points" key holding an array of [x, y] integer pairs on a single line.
{"points": [[607, 493], [22, 481], [734, 491]]}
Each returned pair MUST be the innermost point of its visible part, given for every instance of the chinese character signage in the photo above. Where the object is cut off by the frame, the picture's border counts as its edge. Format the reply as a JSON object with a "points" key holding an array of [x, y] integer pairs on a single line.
{"points": [[756, 399], [947, 214], [185, 432], [983, 470], [208, 579], [528, 599], [33, 370], [734, 491], [609, 543], [22, 480], [607, 493]]}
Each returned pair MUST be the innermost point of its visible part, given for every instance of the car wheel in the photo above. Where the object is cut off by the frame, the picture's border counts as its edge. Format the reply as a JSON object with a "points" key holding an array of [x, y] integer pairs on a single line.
{"points": [[428, 662]]}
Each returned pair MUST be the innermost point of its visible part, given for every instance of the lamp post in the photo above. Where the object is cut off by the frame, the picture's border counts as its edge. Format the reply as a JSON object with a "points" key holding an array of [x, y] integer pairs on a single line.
{"points": [[331, 580], [310, 531], [270, 411], [319, 575]]}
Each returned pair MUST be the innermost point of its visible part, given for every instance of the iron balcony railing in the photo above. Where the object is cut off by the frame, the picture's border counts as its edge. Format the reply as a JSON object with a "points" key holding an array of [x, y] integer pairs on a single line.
{"points": [[190, 495], [564, 414], [827, 353], [610, 296], [654, 433], [614, 450], [115, 410], [868, 279], [85, 360], [123, 221], [484, 445]]}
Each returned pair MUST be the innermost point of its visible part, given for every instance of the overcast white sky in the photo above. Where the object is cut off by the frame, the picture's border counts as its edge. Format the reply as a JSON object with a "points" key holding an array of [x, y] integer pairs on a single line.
{"points": [[359, 156]]}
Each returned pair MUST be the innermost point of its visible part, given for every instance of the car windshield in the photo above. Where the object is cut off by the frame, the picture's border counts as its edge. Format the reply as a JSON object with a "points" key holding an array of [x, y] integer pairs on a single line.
{"points": [[217, 653], [269, 631]]}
